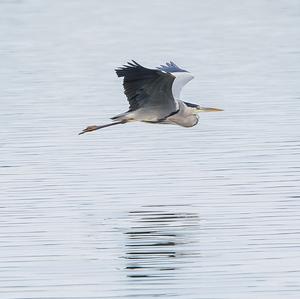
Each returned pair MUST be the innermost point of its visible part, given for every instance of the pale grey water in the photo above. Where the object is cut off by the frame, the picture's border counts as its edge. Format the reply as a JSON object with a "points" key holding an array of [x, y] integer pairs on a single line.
{"points": [[146, 211]]}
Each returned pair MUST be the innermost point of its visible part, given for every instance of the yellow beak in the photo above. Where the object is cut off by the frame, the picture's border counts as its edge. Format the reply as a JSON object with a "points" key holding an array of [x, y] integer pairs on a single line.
{"points": [[208, 109]]}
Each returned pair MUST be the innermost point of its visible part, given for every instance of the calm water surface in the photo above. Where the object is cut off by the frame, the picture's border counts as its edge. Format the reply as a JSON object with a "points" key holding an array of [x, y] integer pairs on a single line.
{"points": [[147, 211]]}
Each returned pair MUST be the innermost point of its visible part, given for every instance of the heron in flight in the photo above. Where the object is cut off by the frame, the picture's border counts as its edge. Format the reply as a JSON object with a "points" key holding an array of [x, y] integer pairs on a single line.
{"points": [[154, 97]]}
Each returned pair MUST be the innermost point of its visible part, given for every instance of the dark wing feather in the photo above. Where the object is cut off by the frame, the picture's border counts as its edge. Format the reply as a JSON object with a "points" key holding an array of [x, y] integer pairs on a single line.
{"points": [[147, 88]]}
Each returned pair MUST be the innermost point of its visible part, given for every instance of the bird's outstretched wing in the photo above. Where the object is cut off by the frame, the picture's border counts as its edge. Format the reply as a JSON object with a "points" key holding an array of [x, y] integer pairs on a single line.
{"points": [[148, 88], [182, 77], [155, 89], [171, 67]]}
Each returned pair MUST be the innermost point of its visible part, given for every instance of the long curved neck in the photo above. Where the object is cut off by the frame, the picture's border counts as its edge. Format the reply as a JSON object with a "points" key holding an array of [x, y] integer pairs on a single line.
{"points": [[185, 117]]}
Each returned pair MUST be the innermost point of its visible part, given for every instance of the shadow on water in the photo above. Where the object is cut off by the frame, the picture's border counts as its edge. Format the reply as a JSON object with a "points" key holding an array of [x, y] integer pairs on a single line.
{"points": [[156, 242]]}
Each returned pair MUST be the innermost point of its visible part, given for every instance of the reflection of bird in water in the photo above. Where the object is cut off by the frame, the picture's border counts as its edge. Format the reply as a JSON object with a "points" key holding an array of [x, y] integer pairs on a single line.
{"points": [[156, 242], [154, 97]]}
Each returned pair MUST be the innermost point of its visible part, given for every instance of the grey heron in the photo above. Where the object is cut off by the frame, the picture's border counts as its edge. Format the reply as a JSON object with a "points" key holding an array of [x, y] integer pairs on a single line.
{"points": [[154, 97]]}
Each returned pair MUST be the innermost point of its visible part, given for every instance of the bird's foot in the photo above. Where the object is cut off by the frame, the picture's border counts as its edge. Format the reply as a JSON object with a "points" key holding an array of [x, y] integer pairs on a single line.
{"points": [[89, 129]]}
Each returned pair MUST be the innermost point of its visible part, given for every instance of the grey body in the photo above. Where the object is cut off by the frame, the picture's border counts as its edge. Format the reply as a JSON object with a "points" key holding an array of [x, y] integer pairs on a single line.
{"points": [[184, 116], [153, 96]]}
